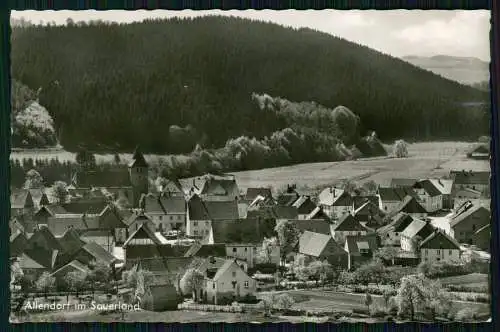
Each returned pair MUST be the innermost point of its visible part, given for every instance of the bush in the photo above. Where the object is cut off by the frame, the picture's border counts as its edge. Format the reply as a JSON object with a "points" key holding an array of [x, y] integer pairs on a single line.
{"points": [[442, 269], [469, 289], [378, 311], [466, 315]]}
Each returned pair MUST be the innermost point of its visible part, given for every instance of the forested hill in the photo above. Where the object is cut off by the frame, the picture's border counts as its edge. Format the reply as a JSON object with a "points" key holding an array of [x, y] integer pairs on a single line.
{"points": [[122, 85]]}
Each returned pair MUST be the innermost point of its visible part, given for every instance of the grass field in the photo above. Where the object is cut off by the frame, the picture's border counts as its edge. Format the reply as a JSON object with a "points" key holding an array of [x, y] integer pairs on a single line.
{"points": [[425, 160], [468, 279]]}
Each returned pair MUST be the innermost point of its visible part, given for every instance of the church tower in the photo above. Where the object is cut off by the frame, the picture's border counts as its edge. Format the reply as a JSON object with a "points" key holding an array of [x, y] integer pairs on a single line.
{"points": [[138, 173]]}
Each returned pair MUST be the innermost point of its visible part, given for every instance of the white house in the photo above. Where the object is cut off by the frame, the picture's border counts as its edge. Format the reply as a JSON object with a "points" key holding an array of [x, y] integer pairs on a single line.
{"points": [[391, 197], [335, 203], [226, 284], [429, 196], [439, 247], [167, 212], [416, 231], [390, 234], [248, 252]]}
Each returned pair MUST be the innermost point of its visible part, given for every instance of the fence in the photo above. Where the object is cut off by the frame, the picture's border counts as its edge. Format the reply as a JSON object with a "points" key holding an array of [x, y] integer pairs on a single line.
{"points": [[211, 307]]}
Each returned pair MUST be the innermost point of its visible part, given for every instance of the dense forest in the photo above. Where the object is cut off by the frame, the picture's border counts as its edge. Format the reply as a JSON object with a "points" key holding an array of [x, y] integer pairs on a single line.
{"points": [[170, 85]]}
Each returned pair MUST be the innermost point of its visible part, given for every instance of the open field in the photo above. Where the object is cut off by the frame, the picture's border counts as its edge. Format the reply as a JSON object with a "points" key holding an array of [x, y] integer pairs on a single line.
{"points": [[469, 279], [423, 161]]}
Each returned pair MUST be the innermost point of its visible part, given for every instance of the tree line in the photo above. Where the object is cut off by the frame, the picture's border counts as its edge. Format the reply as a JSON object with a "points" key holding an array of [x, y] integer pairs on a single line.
{"points": [[118, 85]]}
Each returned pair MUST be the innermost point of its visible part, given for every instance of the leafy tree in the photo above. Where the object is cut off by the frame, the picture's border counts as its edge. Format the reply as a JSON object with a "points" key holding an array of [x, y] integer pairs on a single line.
{"points": [[417, 293], [193, 280], [33, 180], [76, 281], [372, 272], [288, 237], [45, 283], [130, 277], [264, 253], [268, 303], [387, 253], [400, 149], [368, 300], [300, 268], [415, 241], [370, 187], [321, 270], [60, 191], [387, 296], [284, 302]]}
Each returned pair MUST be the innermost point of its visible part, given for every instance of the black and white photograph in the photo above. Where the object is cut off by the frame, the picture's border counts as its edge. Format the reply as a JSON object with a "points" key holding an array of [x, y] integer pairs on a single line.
{"points": [[251, 166]]}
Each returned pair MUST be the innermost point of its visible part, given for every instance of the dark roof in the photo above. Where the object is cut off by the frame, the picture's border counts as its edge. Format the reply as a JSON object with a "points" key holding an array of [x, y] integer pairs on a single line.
{"points": [[196, 209], [359, 201], [304, 205], [287, 199], [348, 223], [335, 197], [21, 199], [222, 210], [468, 209], [70, 241], [237, 231], [18, 242], [395, 194], [153, 205], [485, 228], [44, 257], [99, 253], [46, 240], [169, 265], [398, 224], [172, 187], [284, 212], [403, 182], [206, 250], [439, 240], [85, 207], [418, 227], [143, 232], [410, 205], [140, 219], [428, 186], [313, 225], [138, 159], [173, 204], [355, 243], [116, 177], [471, 177], [227, 264], [212, 186], [252, 193]]}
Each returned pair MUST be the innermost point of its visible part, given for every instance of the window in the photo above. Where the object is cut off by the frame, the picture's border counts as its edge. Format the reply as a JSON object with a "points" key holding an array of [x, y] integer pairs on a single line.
{"points": [[246, 249], [160, 217], [234, 249], [439, 252], [213, 285], [171, 218], [438, 259], [234, 274], [195, 223], [178, 217], [473, 228], [234, 284], [246, 284], [450, 252], [426, 252], [388, 235]]}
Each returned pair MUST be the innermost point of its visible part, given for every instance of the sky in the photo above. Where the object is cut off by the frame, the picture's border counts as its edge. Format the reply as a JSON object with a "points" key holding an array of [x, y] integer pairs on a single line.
{"points": [[395, 32]]}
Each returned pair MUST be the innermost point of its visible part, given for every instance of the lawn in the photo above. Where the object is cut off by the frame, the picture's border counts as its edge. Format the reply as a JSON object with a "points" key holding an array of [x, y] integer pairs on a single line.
{"points": [[468, 279]]}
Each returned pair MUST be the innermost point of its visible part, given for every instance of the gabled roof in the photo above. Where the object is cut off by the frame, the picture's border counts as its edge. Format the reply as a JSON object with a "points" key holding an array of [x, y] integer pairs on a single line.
{"points": [[140, 218], [222, 210], [227, 264], [239, 230], [73, 265], [335, 197], [466, 210], [153, 205], [116, 220], [439, 240], [416, 227], [143, 232], [395, 194], [165, 265], [485, 228], [218, 186], [173, 204], [207, 263], [471, 177], [317, 225], [196, 209], [287, 199], [348, 223], [172, 187], [428, 186], [206, 250], [26, 262], [402, 182], [85, 207], [99, 253], [44, 257], [358, 201], [45, 236], [443, 185], [70, 241], [317, 213], [313, 244], [284, 212], [410, 205], [252, 193], [138, 159], [368, 208], [21, 199], [260, 201], [398, 224], [356, 243], [304, 205]]}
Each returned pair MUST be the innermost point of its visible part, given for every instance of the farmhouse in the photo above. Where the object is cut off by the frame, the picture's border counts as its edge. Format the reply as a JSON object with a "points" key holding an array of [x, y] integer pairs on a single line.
{"points": [[410, 205], [212, 187], [323, 247], [348, 225], [482, 237], [479, 181], [445, 187], [360, 249], [201, 214], [167, 212], [416, 231], [390, 198], [468, 219], [462, 196], [336, 203], [315, 225], [253, 193], [304, 206], [429, 196], [439, 247], [481, 151], [390, 235], [370, 214], [403, 183]]}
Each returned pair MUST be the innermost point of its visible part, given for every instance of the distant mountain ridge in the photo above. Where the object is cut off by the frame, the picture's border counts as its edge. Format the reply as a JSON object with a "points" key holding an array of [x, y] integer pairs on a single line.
{"points": [[465, 70]]}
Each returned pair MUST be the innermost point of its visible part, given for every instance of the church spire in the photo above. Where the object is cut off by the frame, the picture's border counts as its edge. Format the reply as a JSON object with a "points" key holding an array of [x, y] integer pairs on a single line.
{"points": [[138, 159]]}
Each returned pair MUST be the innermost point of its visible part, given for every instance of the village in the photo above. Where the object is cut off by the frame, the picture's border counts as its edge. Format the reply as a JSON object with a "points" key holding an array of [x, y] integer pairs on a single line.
{"points": [[203, 244]]}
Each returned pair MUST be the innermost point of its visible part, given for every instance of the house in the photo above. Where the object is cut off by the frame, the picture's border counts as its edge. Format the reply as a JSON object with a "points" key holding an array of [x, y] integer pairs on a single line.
{"points": [[315, 225], [390, 234], [416, 231], [43, 239], [16, 224], [167, 212], [199, 249], [238, 231], [348, 225], [253, 193], [445, 187], [146, 243], [212, 187], [172, 188], [335, 203], [103, 237], [317, 214], [229, 283], [244, 252], [402, 182], [323, 247], [92, 252], [161, 295], [481, 152], [137, 219], [369, 214], [201, 214], [73, 266], [287, 198], [17, 243], [475, 180], [467, 220], [439, 246], [360, 249], [428, 195], [410, 205], [261, 202], [482, 238], [21, 202], [391, 198], [305, 206], [31, 267], [112, 219], [461, 196]]}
